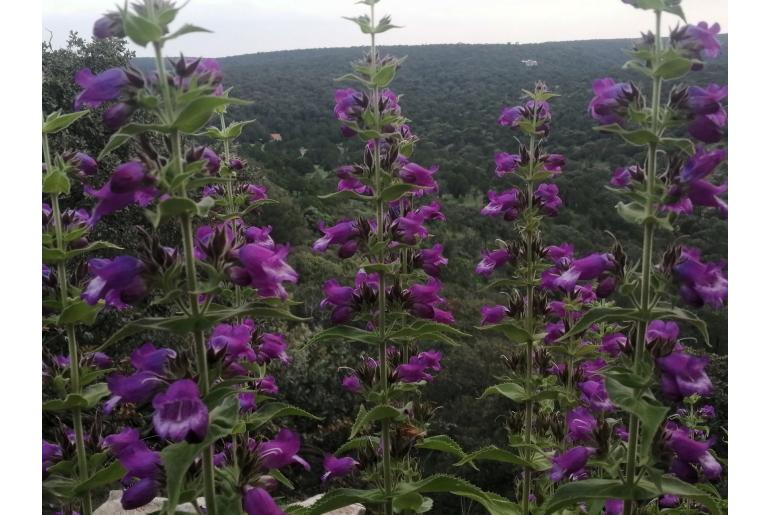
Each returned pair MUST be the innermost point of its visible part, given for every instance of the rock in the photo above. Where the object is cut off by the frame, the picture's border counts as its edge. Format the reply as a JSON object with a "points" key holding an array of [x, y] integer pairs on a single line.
{"points": [[353, 509], [113, 507]]}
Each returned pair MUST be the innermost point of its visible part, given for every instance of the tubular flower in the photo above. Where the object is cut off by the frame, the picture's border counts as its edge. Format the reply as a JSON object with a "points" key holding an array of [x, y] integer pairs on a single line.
{"points": [[431, 260], [412, 173], [614, 343], [281, 451], [339, 299], [346, 234], [547, 196], [257, 501], [180, 414], [683, 374], [506, 163], [612, 101], [272, 346], [513, 116], [119, 281], [508, 203], [492, 261], [700, 283], [130, 183], [264, 269], [690, 188], [689, 453], [571, 462], [697, 41], [51, 454], [234, 340], [493, 314], [423, 301], [352, 384], [143, 467], [101, 88], [580, 424], [593, 393], [337, 467]]}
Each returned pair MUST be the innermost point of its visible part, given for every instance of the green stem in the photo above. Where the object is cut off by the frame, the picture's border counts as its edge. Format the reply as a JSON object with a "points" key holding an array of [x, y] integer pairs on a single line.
{"points": [[72, 342], [230, 197], [191, 277], [647, 252], [530, 320], [383, 350]]}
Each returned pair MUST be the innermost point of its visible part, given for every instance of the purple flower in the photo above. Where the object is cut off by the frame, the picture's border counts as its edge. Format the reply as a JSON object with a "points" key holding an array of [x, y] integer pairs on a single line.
{"points": [[281, 451], [272, 346], [553, 163], [130, 183], [109, 26], [668, 501], [118, 281], [506, 163], [700, 283], [264, 269], [707, 411], [234, 340], [584, 269], [701, 164], [613, 344], [267, 385], [493, 314], [339, 299], [571, 462], [409, 228], [508, 203], [211, 159], [345, 233], [257, 501], [580, 424], [413, 372], [492, 261], [621, 432], [99, 359], [352, 384], [683, 374], [660, 331], [513, 116], [423, 301], [236, 164], [101, 88], [696, 41], [691, 452], [553, 331], [51, 454], [337, 467], [412, 173], [115, 116], [180, 414], [547, 196], [430, 359], [621, 177], [431, 260], [256, 192], [613, 507], [139, 493], [137, 388], [593, 393], [149, 358], [611, 101], [702, 106], [85, 164]]}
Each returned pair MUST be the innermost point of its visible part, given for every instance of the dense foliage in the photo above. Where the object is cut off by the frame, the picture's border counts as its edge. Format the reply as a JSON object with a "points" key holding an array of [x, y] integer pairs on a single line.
{"points": [[452, 95]]}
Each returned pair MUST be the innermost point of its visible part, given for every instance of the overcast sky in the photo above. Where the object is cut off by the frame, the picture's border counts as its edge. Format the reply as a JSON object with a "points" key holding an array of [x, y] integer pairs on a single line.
{"points": [[247, 26]]}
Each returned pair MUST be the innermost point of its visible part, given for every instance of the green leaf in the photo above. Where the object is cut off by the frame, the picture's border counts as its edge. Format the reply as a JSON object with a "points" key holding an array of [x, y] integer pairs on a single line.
{"points": [[673, 67], [56, 121], [86, 400], [384, 75], [638, 137], [396, 191], [570, 494], [427, 330], [185, 29], [273, 410], [129, 131], [344, 332], [517, 393], [493, 453], [601, 314], [196, 113], [177, 458], [139, 29], [170, 208], [56, 182], [511, 330], [345, 195], [650, 414], [376, 414], [408, 501], [77, 311], [108, 475], [442, 443], [359, 442]]}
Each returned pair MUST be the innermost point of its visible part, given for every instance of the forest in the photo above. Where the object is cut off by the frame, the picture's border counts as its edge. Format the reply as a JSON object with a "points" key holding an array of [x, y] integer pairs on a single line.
{"points": [[451, 98]]}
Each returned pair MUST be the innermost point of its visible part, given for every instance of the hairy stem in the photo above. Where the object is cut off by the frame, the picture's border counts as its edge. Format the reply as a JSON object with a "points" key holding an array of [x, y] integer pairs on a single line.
{"points": [[72, 342], [647, 251], [374, 99], [191, 277], [530, 319]]}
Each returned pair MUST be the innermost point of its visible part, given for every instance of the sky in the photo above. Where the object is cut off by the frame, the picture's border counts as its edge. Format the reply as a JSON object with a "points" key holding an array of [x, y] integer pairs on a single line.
{"points": [[248, 26]]}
